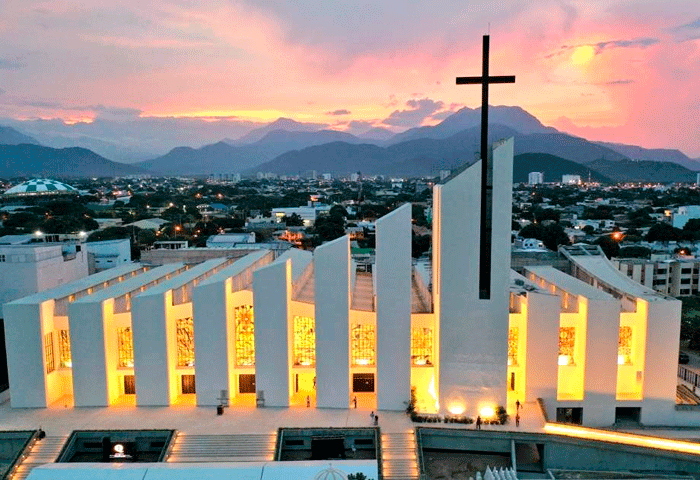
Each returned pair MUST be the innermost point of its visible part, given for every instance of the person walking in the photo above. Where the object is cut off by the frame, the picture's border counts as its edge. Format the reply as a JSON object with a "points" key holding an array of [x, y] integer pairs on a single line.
{"points": [[354, 402], [478, 422], [376, 420], [308, 401], [371, 416], [517, 419], [517, 405]]}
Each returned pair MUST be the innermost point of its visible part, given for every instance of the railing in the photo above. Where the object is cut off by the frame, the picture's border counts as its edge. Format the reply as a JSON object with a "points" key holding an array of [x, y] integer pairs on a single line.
{"points": [[419, 452], [687, 375]]}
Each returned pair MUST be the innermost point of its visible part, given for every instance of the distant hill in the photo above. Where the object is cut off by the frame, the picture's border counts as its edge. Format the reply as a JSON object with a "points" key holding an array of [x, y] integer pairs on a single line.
{"points": [[634, 152], [222, 157], [280, 124], [427, 156], [465, 118], [642, 171], [553, 168], [377, 134], [34, 160], [10, 136]]}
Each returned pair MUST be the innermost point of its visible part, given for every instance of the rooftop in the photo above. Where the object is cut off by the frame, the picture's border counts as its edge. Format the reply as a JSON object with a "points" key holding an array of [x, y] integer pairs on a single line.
{"points": [[132, 284], [568, 283]]}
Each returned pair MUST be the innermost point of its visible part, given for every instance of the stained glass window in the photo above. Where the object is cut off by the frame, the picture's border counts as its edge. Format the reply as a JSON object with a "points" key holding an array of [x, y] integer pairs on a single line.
{"points": [[245, 336], [363, 343], [64, 360], [185, 342], [513, 346], [624, 346], [567, 341], [125, 347], [304, 341], [422, 346], [48, 352]]}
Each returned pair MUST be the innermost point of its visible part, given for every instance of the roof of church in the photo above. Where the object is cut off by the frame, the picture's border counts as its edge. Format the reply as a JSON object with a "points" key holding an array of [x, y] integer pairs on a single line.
{"points": [[568, 283]]}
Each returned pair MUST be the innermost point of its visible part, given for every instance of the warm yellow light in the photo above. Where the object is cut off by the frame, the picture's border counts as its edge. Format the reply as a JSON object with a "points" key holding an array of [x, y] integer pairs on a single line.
{"points": [[456, 409], [582, 55], [564, 360], [487, 412], [623, 438]]}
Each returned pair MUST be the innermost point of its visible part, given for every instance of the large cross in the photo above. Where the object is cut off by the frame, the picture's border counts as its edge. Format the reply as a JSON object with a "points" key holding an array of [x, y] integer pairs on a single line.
{"points": [[486, 171]]}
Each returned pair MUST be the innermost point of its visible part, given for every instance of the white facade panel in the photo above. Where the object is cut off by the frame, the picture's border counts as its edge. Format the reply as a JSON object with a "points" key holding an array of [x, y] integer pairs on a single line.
{"points": [[393, 282], [151, 361]]}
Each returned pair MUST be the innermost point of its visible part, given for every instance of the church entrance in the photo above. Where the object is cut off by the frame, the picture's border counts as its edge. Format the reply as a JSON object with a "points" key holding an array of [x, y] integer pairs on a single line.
{"points": [[304, 388]]}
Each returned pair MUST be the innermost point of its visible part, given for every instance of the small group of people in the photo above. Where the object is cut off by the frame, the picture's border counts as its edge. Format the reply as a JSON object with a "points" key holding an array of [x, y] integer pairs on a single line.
{"points": [[375, 418], [518, 406]]}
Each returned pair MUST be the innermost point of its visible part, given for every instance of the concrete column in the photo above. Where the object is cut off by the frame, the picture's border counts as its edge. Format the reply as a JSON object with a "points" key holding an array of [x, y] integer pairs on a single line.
{"points": [[211, 342], [600, 373], [542, 348], [151, 361], [26, 365], [89, 353], [332, 294], [272, 289], [393, 281]]}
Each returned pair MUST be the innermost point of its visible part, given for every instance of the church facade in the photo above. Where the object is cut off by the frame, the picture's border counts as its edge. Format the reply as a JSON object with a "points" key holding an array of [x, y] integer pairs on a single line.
{"points": [[310, 329]]}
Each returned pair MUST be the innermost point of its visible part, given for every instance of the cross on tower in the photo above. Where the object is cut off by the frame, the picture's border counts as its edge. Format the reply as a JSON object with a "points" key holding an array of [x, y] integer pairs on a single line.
{"points": [[486, 171]]}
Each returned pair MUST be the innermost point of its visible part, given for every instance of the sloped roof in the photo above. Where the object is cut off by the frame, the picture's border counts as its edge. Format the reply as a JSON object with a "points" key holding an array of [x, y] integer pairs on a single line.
{"points": [[39, 186]]}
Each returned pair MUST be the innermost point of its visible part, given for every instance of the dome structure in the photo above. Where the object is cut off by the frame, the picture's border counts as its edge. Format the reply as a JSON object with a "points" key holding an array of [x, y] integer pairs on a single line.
{"points": [[41, 186], [331, 473]]}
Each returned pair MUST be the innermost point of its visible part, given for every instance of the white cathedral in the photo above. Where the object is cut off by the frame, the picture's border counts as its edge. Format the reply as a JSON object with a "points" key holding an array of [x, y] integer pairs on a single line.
{"points": [[262, 331]]}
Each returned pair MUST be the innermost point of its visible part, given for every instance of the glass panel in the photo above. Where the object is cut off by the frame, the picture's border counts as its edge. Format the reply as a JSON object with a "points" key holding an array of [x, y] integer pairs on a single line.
{"points": [[125, 347], [567, 340], [185, 342], [245, 336], [48, 352], [64, 349], [304, 341], [624, 346], [513, 346], [363, 344], [422, 346]]}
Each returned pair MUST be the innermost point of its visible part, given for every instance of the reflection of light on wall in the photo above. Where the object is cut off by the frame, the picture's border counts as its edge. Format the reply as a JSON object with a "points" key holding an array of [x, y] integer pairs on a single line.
{"points": [[564, 360], [623, 438], [433, 393], [487, 412], [456, 408]]}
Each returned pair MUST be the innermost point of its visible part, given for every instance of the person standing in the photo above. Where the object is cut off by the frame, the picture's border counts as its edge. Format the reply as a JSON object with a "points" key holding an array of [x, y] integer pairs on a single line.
{"points": [[354, 402], [371, 416], [478, 422], [517, 405], [517, 419]]}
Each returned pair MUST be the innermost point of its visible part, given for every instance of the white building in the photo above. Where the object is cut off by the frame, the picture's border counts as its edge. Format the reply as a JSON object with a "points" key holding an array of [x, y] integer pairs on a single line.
{"points": [[682, 214], [535, 178], [571, 179], [27, 268], [302, 328], [230, 240], [308, 213], [108, 254], [678, 277]]}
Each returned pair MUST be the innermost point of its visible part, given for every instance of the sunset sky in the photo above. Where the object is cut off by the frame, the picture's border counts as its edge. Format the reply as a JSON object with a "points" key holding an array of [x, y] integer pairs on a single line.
{"points": [[625, 71]]}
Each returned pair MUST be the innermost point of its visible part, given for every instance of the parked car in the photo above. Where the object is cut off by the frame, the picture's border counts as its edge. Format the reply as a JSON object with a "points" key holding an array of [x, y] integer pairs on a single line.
{"points": [[683, 358]]}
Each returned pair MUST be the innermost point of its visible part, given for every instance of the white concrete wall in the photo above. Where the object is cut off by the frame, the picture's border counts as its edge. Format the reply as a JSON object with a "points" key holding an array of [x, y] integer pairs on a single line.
{"points": [[332, 278], [211, 352], [272, 289], [600, 373], [151, 362], [542, 348], [88, 353], [661, 363], [393, 287], [473, 333], [25, 354]]}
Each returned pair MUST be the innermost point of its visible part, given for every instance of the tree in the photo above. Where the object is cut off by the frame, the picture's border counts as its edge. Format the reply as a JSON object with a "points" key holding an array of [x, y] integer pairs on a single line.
{"points": [[588, 229], [329, 227], [110, 233], [609, 246], [634, 251], [418, 215], [552, 235], [420, 244], [338, 211], [663, 232], [294, 220]]}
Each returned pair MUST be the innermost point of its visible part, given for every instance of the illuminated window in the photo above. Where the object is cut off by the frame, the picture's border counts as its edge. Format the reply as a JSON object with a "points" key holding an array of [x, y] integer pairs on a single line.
{"points": [[624, 346], [567, 340], [513, 346], [304, 341], [125, 347], [185, 342], [48, 352], [422, 346], [64, 360], [245, 336], [363, 340]]}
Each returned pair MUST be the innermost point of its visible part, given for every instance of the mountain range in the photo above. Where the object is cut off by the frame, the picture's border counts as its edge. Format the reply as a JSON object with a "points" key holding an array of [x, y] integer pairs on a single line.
{"points": [[289, 147]]}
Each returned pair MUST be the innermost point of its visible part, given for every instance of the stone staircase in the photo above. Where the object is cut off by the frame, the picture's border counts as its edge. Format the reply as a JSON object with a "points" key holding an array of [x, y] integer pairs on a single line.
{"points": [[399, 460], [40, 453], [188, 448]]}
